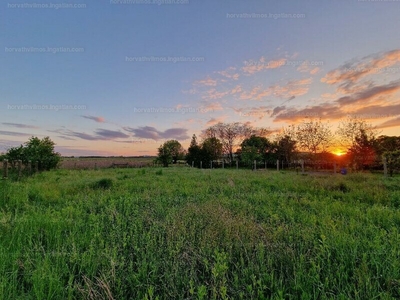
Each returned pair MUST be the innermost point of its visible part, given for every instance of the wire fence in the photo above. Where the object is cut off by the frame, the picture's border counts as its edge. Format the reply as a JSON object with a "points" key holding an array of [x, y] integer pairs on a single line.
{"points": [[17, 169]]}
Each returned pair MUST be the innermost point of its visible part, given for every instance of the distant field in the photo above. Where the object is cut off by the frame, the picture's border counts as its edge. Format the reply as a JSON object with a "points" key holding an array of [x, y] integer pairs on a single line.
{"points": [[105, 162], [182, 233]]}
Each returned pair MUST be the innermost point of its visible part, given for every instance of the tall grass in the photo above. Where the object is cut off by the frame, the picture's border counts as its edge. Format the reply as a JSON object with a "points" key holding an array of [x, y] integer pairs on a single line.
{"points": [[199, 234]]}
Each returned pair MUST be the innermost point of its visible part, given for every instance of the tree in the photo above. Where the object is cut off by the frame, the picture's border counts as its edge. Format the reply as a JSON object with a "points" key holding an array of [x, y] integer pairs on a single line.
{"points": [[229, 134], [392, 160], [362, 152], [255, 148], [194, 152], [40, 150], [211, 149], [386, 143], [313, 136], [351, 128], [170, 152], [285, 148]]}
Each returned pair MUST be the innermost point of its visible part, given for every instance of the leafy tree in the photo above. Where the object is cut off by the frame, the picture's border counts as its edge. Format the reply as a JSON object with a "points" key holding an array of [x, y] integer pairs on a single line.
{"points": [[255, 148], [313, 136], [211, 149], [362, 152], [40, 150], [194, 152], [386, 143], [285, 148], [392, 160], [170, 152]]}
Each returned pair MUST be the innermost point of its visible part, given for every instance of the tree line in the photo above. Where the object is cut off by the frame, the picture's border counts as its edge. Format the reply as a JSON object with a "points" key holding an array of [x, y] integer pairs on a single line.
{"points": [[310, 140]]}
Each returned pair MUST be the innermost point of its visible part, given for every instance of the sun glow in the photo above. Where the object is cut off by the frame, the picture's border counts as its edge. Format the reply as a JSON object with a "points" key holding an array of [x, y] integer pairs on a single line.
{"points": [[338, 152]]}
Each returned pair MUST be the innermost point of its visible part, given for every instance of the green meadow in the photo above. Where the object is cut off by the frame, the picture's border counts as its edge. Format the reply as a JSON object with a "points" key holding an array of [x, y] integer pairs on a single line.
{"points": [[181, 233]]}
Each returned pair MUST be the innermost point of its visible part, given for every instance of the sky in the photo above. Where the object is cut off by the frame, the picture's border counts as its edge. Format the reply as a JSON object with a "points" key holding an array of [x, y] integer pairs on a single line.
{"points": [[120, 77]]}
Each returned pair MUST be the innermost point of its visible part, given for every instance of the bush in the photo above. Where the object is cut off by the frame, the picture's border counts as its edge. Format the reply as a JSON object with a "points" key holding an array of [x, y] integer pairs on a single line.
{"points": [[105, 183]]}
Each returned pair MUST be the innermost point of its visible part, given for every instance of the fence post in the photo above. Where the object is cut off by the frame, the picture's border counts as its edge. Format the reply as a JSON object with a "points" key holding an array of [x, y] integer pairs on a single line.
{"points": [[223, 167], [277, 164], [334, 167], [5, 169], [302, 166], [19, 169], [211, 164], [192, 163], [201, 165], [385, 171], [237, 164], [255, 165], [265, 165]]}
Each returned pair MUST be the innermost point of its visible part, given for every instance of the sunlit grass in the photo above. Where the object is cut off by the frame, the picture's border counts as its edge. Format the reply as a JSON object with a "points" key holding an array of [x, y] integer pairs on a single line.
{"points": [[199, 234]]}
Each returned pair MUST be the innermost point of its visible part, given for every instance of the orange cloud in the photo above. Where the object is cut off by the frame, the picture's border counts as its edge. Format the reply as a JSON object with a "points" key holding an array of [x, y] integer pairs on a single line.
{"points": [[206, 82]]}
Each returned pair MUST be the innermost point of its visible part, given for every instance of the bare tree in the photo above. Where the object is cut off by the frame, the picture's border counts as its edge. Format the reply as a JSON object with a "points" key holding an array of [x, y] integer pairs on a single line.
{"points": [[352, 129], [313, 136], [230, 135]]}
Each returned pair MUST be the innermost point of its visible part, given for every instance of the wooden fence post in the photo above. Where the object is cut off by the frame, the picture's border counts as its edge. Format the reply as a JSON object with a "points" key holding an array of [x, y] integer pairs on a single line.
{"points": [[255, 165], [265, 165], [237, 164], [5, 169], [334, 167], [277, 165], [223, 167], [201, 165], [211, 164], [192, 164]]}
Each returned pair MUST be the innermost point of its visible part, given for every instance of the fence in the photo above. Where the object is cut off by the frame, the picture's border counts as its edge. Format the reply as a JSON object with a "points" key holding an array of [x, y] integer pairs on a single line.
{"points": [[16, 169]]}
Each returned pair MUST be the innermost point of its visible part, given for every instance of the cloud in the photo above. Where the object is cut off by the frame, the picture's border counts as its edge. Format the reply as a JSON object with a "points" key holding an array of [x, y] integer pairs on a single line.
{"points": [[379, 111], [323, 111], [254, 112], [306, 67], [349, 74], [390, 123], [18, 125], [370, 94], [213, 94], [96, 119], [214, 121], [11, 133], [206, 82], [110, 134], [252, 66], [214, 106], [277, 110], [100, 134], [237, 89], [148, 132], [229, 73]]}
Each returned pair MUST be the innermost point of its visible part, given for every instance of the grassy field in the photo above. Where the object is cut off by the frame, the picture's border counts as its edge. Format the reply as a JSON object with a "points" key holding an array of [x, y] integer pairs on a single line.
{"points": [[182, 233]]}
